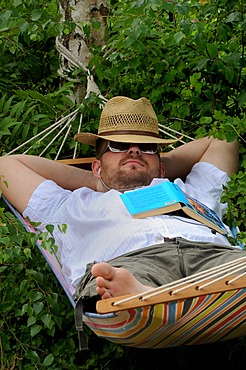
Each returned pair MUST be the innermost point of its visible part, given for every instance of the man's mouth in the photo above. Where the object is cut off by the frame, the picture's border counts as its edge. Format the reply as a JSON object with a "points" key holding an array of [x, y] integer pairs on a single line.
{"points": [[133, 162]]}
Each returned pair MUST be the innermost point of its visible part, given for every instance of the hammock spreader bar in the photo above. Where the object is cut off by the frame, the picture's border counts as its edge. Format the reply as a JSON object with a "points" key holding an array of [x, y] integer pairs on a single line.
{"points": [[169, 295]]}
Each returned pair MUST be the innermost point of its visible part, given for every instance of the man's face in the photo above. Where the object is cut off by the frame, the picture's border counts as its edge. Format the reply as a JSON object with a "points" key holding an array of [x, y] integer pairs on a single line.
{"points": [[130, 169]]}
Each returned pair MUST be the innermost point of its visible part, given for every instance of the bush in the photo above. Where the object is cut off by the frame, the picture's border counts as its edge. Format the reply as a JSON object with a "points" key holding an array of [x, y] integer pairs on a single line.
{"points": [[188, 58]]}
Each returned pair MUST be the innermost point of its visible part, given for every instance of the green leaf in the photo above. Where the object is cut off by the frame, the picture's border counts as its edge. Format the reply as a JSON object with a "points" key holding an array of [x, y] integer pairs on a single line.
{"points": [[241, 99], [37, 296], [38, 307], [218, 115], [32, 355], [229, 73], [31, 321], [47, 320], [205, 120], [26, 308], [36, 14], [2, 269], [17, 109], [96, 24], [201, 64], [48, 360], [27, 252], [129, 41], [35, 329], [183, 8], [62, 228], [233, 17], [23, 26], [4, 341], [5, 240], [17, 3], [178, 37], [50, 229], [7, 104], [212, 50]]}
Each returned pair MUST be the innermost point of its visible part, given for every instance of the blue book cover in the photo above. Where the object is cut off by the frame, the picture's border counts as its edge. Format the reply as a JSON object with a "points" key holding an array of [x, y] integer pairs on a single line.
{"points": [[167, 197], [153, 197]]}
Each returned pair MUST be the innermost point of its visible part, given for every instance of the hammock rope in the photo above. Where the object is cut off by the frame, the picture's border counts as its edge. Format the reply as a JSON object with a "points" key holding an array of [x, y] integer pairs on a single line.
{"points": [[67, 121], [165, 130], [48, 130], [66, 53], [62, 124]]}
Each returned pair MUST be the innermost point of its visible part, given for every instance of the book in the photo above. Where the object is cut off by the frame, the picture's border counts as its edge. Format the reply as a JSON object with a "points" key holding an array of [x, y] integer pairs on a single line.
{"points": [[167, 197]]}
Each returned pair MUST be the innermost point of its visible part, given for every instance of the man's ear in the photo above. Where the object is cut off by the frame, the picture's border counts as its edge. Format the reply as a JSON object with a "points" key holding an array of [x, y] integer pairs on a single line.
{"points": [[96, 167]]}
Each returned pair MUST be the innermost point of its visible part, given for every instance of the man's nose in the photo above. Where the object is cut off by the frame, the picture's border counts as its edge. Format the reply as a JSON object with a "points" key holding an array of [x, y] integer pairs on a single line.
{"points": [[134, 149]]}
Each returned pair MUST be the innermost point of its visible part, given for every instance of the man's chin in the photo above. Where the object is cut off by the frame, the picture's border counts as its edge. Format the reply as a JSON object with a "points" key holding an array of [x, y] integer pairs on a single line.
{"points": [[132, 179]]}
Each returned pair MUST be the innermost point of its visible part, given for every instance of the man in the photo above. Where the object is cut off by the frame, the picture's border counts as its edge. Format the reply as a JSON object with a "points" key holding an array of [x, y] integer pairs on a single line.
{"points": [[142, 253]]}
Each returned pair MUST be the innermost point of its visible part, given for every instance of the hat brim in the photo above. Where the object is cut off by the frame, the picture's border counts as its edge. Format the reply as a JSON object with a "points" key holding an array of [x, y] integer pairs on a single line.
{"points": [[91, 139]]}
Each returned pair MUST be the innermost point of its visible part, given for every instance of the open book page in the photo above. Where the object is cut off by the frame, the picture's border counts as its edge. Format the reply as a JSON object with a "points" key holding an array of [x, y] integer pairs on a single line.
{"points": [[153, 198]]}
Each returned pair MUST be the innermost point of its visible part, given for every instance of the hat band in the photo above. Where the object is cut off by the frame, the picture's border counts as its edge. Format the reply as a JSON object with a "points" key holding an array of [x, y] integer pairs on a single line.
{"points": [[129, 132]]}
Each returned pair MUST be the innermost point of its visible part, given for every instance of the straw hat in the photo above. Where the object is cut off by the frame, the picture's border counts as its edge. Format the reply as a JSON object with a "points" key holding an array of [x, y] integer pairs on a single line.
{"points": [[126, 120]]}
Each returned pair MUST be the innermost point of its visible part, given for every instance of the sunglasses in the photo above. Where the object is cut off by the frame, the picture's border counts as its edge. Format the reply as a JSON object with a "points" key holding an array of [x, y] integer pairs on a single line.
{"points": [[145, 148]]}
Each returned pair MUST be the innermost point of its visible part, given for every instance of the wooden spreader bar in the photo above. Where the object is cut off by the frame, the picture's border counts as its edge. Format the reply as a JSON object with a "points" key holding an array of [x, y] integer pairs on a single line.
{"points": [[110, 305]]}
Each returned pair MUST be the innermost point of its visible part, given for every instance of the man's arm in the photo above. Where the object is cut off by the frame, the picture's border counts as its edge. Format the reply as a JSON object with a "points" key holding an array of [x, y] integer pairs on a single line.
{"points": [[21, 174], [220, 153]]}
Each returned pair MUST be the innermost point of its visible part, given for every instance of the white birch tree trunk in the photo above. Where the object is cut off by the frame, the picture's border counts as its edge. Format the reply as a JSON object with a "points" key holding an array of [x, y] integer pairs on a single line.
{"points": [[74, 48]]}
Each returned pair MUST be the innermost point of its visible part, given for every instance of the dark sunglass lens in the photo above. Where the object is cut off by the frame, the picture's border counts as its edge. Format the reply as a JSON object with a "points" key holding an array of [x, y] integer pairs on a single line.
{"points": [[121, 147], [151, 148]]}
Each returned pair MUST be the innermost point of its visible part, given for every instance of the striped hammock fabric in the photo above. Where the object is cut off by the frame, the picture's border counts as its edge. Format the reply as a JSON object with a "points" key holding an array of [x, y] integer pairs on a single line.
{"points": [[204, 319]]}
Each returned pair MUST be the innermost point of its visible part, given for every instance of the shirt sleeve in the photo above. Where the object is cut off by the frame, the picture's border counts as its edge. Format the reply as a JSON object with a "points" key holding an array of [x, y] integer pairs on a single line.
{"points": [[205, 182], [44, 202], [207, 177]]}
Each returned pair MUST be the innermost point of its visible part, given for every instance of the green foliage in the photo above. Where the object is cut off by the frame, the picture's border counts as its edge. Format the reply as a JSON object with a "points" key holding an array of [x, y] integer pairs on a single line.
{"points": [[235, 196], [30, 97], [27, 32], [188, 58], [29, 113], [32, 303]]}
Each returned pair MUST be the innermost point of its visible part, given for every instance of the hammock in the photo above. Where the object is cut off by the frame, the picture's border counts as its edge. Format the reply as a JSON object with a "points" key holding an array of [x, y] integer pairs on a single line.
{"points": [[163, 319], [204, 308]]}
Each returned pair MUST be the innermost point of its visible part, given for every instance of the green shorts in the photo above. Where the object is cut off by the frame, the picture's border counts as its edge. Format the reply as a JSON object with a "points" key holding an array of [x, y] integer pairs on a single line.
{"points": [[160, 264]]}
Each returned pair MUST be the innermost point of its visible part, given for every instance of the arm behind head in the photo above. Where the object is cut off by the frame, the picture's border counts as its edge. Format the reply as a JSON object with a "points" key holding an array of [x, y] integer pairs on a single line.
{"points": [[179, 161]]}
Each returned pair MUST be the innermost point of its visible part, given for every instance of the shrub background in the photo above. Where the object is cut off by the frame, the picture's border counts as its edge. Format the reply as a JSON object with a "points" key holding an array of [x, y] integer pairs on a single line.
{"points": [[188, 58]]}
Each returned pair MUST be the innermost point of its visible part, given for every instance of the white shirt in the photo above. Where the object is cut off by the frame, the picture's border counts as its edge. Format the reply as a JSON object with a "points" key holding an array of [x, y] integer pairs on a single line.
{"points": [[99, 227]]}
